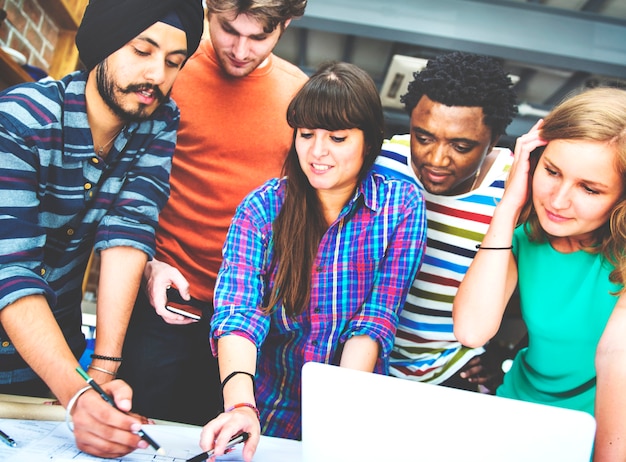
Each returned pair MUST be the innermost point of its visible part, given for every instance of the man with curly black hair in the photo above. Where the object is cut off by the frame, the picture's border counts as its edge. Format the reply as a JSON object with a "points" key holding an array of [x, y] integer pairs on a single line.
{"points": [[459, 105]]}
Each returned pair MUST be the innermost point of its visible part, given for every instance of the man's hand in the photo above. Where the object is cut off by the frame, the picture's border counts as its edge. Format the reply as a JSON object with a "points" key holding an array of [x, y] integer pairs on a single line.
{"points": [[486, 369], [159, 277], [102, 430], [475, 372]]}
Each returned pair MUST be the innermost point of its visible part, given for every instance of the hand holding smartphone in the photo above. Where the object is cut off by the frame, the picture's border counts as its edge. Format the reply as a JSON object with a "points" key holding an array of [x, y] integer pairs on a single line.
{"points": [[189, 308]]}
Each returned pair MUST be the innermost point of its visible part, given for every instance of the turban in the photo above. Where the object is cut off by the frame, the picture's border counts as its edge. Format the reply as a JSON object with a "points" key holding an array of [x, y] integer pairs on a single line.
{"points": [[108, 25]]}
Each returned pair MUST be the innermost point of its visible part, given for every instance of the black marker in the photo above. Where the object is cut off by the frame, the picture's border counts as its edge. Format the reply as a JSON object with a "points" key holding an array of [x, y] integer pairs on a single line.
{"points": [[7, 439], [108, 399], [240, 438]]}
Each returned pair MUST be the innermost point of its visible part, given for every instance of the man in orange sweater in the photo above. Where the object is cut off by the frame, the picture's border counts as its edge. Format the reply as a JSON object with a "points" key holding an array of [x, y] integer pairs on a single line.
{"points": [[233, 95]]}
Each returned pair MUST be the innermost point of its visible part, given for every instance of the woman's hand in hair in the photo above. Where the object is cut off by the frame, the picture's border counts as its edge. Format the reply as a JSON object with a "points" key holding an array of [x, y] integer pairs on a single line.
{"points": [[519, 180]]}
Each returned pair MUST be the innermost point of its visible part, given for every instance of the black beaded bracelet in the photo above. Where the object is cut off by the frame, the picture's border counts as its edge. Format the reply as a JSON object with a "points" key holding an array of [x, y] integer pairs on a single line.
{"points": [[106, 358], [232, 374]]}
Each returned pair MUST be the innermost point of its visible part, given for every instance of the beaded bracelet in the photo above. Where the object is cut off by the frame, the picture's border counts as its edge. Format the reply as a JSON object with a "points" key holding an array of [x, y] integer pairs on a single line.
{"points": [[239, 405], [232, 374], [70, 406], [106, 358]]}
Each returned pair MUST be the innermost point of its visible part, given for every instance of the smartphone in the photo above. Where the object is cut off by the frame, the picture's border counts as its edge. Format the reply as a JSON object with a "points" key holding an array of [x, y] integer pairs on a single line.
{"points": [[189, 308]]}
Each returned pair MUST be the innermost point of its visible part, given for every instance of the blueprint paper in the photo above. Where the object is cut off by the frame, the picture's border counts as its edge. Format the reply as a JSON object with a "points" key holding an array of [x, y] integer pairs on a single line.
{"points": [[52, 441]]}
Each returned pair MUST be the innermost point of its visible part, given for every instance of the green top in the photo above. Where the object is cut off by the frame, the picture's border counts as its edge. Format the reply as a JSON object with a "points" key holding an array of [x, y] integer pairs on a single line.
{"points": [[566, 302]]}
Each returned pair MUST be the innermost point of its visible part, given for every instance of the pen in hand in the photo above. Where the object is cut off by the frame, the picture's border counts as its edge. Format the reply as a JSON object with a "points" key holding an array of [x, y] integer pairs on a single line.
{"points": [[7, 439], [240, 438], [105, 396]]}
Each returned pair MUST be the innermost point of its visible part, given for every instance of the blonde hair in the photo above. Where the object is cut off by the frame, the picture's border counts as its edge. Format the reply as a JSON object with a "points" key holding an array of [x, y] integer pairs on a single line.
{"points": [[598, 115]]}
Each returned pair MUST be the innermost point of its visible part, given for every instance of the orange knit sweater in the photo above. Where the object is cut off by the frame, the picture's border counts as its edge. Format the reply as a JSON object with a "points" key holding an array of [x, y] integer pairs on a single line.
{"points": [[233, 136]]}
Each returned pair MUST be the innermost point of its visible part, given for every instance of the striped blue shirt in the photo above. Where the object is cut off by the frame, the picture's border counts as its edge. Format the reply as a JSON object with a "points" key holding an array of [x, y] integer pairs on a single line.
{"points": [[360, 278], [59, 200], [425, 348]]}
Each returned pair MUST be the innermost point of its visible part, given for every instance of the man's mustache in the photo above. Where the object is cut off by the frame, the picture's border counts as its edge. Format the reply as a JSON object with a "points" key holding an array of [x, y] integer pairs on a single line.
{"points": [[143, 87]]}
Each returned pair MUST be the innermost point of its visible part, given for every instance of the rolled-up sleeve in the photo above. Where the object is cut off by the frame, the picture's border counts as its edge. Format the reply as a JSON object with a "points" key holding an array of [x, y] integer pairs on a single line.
{"points": [[240, 288]]}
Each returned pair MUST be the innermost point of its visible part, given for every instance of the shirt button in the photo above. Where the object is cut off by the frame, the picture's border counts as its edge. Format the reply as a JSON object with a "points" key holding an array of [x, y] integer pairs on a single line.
{"points": [[316, 309], [87, 186], [95, 160], [314, 343], [6, 344], [70, 232], [42, 271], [319, 269]]}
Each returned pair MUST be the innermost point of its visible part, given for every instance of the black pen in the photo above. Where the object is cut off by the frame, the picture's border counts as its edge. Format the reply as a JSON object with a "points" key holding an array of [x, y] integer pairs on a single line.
{"points": [[7, 439], [109, 399], [240, 438]]}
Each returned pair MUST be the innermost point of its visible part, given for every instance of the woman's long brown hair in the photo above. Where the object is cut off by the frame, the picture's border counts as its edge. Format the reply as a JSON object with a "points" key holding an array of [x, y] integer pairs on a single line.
{"points": [[338, 96]]}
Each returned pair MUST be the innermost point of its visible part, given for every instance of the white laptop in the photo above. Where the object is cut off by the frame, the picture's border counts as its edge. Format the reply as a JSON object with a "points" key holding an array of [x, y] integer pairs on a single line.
{"points": [[356, 416]]}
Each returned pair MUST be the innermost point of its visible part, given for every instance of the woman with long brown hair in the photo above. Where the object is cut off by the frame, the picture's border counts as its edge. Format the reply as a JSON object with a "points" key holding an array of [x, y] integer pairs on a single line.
{"points": [[316, 264]]}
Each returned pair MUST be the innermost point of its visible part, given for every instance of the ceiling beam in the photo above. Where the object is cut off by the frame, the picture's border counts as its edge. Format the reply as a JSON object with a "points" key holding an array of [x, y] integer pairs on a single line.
{"points": [[523, 32], [576, 81], [593, 6]]}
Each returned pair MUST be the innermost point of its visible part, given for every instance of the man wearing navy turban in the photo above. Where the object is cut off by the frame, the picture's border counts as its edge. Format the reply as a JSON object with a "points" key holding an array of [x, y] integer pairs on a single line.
{"points": [[108, 25], [84, 166]]}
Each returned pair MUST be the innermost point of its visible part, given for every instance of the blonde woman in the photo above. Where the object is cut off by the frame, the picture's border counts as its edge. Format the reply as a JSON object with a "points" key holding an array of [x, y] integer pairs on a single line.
{"points": [[567, 193]]}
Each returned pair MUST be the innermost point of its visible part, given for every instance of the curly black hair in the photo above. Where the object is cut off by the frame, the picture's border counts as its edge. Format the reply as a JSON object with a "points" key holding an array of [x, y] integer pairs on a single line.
{"points": [[465, 79]]}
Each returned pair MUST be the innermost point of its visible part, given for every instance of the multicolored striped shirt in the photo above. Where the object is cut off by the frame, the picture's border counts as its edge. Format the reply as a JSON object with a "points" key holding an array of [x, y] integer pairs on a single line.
{"points": [[425, 348], [360, 278], [59, 200]]}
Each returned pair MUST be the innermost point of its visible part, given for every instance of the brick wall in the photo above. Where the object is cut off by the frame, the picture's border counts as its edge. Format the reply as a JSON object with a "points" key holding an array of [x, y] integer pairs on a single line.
{"points": [[29, 30]]}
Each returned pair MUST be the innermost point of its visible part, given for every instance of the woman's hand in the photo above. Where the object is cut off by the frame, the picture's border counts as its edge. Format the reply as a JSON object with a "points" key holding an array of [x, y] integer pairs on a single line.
{"points": [[218, 432], [517, 186]]}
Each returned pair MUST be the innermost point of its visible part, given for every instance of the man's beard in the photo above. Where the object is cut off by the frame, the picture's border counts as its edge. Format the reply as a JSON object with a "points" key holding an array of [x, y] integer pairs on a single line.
{"points": [[107, 89]]}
